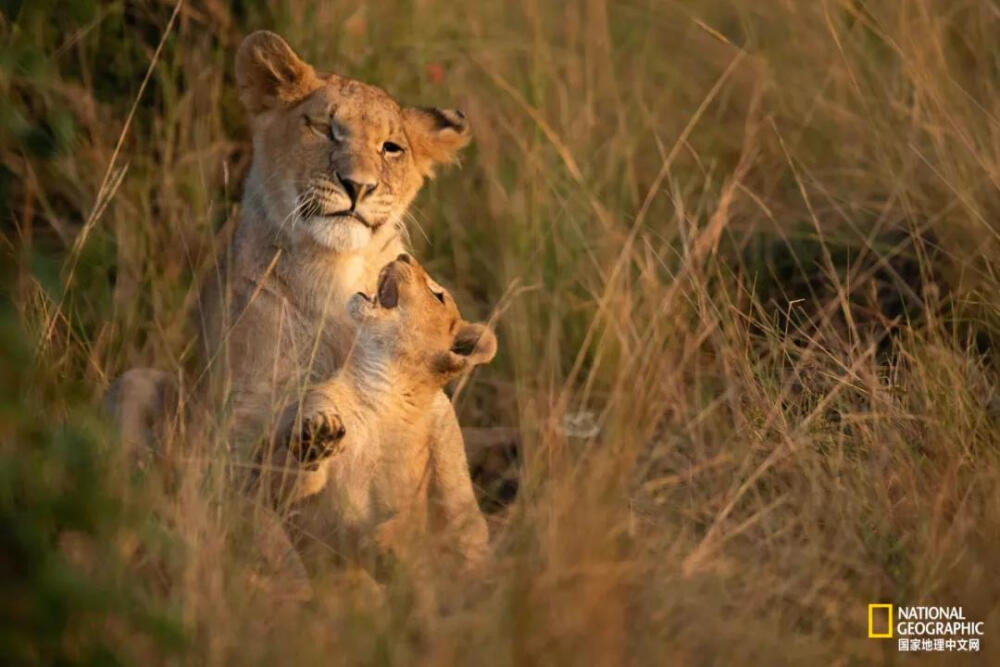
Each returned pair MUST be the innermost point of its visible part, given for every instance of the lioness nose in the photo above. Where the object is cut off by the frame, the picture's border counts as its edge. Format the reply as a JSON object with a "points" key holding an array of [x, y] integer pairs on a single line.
{"points": [[357, 187]]}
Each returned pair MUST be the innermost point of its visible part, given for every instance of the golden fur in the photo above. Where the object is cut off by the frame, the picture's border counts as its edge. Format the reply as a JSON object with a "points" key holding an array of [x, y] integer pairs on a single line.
{"points": [[365, 438], [306, 242], [336, 164]]}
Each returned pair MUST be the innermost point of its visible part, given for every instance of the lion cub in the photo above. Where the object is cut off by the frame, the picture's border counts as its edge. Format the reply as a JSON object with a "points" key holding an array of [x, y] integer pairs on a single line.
{"points": [[389, 480]]}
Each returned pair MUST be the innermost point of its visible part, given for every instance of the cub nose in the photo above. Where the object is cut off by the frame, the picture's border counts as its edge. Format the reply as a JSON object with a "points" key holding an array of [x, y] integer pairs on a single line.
{"points": [[357, 187], [404, 258]]}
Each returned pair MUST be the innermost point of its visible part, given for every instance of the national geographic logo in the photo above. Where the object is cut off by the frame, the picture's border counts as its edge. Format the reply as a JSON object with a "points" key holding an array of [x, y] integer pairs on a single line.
{"points": [[882, 612], [925, 628]]}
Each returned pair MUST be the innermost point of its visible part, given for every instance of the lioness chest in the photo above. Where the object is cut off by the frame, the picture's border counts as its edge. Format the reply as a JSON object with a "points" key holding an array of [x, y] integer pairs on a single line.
{"points": [[290, 319], [315, 293]]}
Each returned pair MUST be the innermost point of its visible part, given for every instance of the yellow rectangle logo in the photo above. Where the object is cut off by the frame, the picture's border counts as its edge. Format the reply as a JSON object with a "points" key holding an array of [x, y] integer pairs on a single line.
{"points": [[871, 621]]}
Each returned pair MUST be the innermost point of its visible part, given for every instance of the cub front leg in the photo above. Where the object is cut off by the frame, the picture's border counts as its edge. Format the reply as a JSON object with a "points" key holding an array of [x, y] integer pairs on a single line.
{"points": [[296, 466], [321, 436]]}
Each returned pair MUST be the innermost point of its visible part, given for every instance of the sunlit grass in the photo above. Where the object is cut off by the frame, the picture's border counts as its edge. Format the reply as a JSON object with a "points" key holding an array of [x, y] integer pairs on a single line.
{"points": [[756, 242]]}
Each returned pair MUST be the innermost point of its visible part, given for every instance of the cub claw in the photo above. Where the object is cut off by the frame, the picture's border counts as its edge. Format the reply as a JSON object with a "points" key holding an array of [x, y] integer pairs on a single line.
{"points": [[320, 438]]}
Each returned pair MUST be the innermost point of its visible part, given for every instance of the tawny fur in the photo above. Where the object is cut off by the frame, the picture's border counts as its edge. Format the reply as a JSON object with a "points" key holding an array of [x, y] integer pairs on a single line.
{"points": [[275, 316], [272, 317], [385, 473]]}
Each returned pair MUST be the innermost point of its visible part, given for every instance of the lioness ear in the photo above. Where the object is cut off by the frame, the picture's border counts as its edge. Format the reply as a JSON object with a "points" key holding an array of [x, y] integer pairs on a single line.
{"points": [[436, 136], [269, 74]]}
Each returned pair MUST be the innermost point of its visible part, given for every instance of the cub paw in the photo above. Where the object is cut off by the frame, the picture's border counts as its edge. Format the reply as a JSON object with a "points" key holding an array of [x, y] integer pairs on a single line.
{"points": [[320, 437]]}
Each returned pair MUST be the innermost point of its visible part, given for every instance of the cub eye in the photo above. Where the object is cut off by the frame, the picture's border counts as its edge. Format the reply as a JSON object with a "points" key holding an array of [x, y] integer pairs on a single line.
{"points": [[391, 148], [438, 295]]}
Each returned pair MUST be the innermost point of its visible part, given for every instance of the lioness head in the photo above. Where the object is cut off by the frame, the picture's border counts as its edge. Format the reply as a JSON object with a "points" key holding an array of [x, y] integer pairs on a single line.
{"points": [[416, 322], [336, 158]]}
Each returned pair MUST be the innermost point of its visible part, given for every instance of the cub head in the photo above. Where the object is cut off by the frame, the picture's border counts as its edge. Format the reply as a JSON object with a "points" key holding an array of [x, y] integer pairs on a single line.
{"points": [[335, 159], [416, 322]]}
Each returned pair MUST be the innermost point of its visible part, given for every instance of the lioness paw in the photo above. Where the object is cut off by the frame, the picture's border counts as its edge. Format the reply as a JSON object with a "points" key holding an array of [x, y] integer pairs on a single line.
{"points": [[320, 437]]}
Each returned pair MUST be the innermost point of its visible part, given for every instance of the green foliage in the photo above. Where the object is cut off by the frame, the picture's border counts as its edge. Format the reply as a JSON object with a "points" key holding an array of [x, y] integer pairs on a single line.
{"points": [[58, 498]]}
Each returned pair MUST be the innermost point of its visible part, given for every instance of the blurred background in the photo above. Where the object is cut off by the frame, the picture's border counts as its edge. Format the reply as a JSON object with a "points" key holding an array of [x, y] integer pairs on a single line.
{"points": [[742, 257]]}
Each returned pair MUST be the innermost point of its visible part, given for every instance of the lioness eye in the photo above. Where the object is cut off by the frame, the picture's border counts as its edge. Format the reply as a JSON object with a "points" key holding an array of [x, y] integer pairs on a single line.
{"points": [[336, 131], [318, 128], [391, 148], [439, 295]]}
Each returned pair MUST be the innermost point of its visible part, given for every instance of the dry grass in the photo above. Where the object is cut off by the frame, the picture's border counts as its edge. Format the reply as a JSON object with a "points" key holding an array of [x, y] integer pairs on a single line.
{"points": [[757, 241]]}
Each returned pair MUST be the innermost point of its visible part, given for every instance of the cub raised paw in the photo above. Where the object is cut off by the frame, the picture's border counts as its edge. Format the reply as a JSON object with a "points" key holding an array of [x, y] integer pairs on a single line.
{"points": [[319, 437]]}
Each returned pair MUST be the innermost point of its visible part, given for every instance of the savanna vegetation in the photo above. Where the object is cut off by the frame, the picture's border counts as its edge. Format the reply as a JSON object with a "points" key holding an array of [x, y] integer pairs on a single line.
{"points": [[742, 258]]}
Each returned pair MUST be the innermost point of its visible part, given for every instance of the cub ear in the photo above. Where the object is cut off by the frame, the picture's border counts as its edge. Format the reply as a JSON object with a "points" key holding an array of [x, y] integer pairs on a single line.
{"points": [[269, 74], [474, 344], [436, 136]]}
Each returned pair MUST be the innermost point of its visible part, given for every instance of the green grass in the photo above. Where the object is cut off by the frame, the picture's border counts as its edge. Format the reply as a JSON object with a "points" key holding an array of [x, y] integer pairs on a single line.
{"points": [[758, 241]]}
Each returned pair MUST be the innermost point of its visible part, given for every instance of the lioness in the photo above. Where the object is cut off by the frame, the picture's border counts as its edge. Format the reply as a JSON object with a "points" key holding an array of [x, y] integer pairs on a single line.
{"points": [[364, 439], [336, 164]]}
